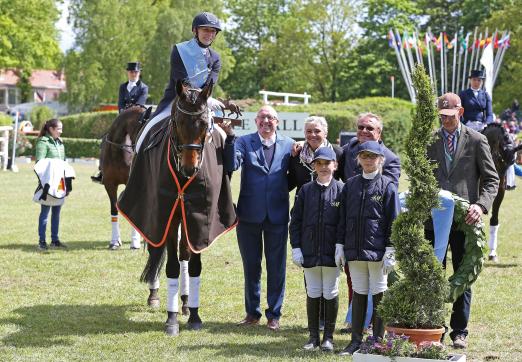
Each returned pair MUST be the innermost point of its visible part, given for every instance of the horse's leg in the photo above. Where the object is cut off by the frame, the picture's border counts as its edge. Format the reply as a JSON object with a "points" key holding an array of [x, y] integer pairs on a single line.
{"points": [[112, 191], [135, 239], [184, 256], [194, 322], [493, 222], [172, 269]]}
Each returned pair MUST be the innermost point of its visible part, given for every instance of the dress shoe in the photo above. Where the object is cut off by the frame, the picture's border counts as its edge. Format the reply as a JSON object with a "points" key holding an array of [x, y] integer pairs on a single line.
{"points": [[98, 178], [460, 342], [350, 349], [58, 244], [273, 324], [249, 321], [312, 344]]}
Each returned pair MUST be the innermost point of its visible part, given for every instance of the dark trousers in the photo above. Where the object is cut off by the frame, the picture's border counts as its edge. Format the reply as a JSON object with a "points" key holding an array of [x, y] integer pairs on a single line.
{"points": [[55, 222], [462, 306], [251, 239]]}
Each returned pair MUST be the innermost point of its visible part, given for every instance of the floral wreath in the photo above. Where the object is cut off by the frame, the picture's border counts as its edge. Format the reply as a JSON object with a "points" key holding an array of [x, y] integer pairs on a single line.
{"points": [[474, 250]]}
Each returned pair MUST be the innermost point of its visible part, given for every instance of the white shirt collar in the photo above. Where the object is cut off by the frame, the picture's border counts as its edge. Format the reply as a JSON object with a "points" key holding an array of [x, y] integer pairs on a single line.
{"points": [[324, 184], [371, 175], [267, 142], [131, 85]]}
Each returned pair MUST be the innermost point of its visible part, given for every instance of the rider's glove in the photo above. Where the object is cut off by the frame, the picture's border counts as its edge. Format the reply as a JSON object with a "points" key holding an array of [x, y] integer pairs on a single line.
{"points": [[388, 260], [297, 257]]}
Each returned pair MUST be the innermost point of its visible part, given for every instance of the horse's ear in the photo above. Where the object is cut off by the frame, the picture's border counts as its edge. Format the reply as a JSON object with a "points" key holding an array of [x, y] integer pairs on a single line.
{"points": [[179, 88], [207, 89]]}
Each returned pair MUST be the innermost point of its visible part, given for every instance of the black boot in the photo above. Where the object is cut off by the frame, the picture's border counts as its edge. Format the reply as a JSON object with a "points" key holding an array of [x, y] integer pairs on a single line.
{"points": [[321, 313], [330, 316], [312, 312], [98, 178], [172, 325], [184, 305], [359, 305], [194, 322], [378, 323], [153, 299]]}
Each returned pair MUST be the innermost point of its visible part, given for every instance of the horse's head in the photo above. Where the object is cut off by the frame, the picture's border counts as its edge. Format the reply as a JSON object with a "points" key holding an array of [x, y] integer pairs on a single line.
{"points": [[496, 135], [190, 124]]}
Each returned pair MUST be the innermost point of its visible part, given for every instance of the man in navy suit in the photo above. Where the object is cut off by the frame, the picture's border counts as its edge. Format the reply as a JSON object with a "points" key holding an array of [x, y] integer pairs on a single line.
{"points": [[134, 91], [262, 211], [476, 103]]}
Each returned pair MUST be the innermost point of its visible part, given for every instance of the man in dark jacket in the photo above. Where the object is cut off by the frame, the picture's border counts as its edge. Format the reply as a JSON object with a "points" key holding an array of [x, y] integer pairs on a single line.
{"points": [[134, 91], [369, 128]]}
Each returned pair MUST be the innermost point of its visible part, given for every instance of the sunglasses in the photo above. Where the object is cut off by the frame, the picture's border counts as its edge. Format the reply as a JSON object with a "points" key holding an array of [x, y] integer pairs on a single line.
{"points": [[368, 128], [369, 155]]}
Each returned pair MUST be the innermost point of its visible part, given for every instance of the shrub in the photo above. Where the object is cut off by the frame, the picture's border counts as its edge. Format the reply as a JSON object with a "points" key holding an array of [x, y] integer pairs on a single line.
{"points": [[39, 115], [5, 120], [74, 147], [342, 116], [417, 300], [88, 125]]}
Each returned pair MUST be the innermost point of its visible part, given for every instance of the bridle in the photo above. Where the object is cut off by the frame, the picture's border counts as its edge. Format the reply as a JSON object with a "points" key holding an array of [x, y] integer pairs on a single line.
{"points": [[178, 148]]}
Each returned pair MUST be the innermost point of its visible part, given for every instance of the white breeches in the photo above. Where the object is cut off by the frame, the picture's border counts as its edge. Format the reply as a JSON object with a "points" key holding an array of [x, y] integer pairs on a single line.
{"points": [[151, 123], [322, 281], [367, 277]]}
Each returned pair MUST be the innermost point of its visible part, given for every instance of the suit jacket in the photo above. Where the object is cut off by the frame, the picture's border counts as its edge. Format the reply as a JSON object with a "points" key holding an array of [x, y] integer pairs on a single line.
{"points": [[391, 167], [178, 72], [476, 108], [472, 174], [264, 190], [137, 95]]}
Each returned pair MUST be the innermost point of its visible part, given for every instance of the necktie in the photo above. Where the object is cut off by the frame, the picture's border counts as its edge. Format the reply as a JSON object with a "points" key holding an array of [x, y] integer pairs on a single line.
{"points": [[450, 143]]}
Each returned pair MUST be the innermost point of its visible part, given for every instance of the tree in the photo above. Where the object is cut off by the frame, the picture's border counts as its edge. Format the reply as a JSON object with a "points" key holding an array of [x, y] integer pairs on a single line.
{"points": [[28, 38]]}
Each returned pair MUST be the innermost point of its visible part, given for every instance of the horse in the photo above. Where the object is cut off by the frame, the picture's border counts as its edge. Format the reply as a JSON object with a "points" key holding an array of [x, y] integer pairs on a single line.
{"points": [[178, 177], [116, 155], [503, 156]]}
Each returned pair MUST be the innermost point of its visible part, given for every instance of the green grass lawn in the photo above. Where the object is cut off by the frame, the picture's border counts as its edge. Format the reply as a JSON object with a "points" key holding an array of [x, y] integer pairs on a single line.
{"points": [[86, 303]]}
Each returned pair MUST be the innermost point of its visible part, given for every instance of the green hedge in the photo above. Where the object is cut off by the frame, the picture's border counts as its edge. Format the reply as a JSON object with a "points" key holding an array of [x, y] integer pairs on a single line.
{"points": [[39, 115], [88, 125], [5, 120], [74, 147], [342, 116]]}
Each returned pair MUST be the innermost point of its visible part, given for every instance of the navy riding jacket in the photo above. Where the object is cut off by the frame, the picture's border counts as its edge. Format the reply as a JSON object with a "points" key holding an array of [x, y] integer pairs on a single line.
{"points": [[476, 108], [391, 167], [368, 209], [313, 226], [137, 95]]}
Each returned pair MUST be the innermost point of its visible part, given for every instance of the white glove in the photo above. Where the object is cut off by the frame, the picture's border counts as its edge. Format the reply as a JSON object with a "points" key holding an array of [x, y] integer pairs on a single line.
{"points": [[388, 260], [215, 105], [297, 257], [340, 259]]}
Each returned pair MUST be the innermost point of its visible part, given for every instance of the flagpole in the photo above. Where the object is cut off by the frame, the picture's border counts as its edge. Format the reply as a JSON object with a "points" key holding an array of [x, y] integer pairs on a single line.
{"points": [[428, 53], [444, 37], [408, 52], [401, 66], [472, 56], [433, 63], [464, 73], [418, 54], [477, 58], [504, 48], [499, 52], [453, 72], [441, 63], [405, 62]]}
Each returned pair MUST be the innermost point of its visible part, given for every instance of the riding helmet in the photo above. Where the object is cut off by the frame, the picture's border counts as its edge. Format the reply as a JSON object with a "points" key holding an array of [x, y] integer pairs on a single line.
{"points": [[206, 19]]}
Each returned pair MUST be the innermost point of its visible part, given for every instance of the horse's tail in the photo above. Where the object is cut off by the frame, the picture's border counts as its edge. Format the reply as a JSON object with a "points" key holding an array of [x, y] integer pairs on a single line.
{"points": [[154, 264]]}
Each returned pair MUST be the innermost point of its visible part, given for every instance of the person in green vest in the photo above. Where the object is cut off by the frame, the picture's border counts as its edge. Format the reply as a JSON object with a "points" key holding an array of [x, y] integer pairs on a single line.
{"points": [[50, 145]]}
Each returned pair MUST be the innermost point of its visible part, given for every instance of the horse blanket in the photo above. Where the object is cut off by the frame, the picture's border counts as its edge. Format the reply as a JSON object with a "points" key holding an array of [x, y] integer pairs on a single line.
{"points": [[156, 191]]}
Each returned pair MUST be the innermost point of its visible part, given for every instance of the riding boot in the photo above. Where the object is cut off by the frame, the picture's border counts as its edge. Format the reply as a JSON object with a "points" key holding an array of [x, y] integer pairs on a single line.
{"points": [[359, 305], [312, 312], [321, 314], [330, 316], [153, 300], [194, 322], [378, 323]]}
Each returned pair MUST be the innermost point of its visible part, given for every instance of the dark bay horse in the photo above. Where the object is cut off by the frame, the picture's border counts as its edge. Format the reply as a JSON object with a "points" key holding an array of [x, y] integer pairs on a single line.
{"points": [[178, 177], [117, 153], [503, 154]]}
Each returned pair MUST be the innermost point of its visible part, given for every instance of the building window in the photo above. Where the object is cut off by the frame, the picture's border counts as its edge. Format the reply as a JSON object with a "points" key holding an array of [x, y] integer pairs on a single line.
{"points": [[13, 96], [3, 96]]}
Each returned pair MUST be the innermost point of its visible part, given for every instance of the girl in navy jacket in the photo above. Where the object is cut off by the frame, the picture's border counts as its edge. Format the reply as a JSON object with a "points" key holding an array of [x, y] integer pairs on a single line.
{"points": [[312, 235], [369, 205]]}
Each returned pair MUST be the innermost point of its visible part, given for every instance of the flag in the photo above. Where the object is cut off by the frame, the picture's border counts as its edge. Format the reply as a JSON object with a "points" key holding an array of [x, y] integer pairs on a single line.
{"points": [[391, 39], [487, 61]]}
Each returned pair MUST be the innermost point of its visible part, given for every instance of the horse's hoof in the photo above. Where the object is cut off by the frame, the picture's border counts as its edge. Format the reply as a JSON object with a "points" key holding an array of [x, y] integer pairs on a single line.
{"points": [[114, 246], [172, 329], [185, 310], [194, 326], [153, 303]]}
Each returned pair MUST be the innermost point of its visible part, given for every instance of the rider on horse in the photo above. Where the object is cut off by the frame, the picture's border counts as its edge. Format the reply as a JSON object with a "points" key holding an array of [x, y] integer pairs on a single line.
{"points": [[477, 103], [195, 63], [131, 93]]}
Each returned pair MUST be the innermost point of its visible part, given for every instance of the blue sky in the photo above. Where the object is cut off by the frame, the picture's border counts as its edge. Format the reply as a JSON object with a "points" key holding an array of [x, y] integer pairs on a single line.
{"points": [[65, 30]]}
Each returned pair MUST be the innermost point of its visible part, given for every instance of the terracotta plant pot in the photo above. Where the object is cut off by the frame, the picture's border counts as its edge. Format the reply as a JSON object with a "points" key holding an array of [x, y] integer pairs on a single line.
{"points": [[418, 336]]}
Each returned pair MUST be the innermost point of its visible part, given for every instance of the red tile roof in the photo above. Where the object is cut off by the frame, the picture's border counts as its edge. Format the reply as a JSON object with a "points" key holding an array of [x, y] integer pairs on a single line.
{"points": [[40, 78]]}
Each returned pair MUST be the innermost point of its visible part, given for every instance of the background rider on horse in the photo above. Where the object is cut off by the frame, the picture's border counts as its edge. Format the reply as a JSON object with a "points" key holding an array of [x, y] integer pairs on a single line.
{"points": [[476, 103]]}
